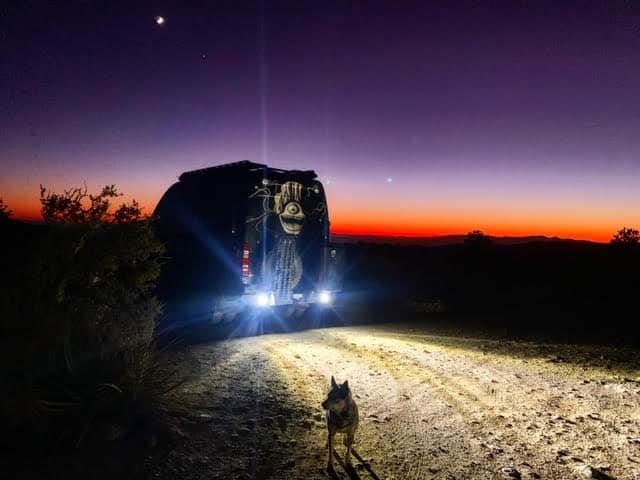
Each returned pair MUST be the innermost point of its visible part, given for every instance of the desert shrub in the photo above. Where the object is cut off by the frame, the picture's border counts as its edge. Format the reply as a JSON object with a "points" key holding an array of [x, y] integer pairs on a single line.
{"points": [[478, 240], [5, 213], [77, 312], [626, 237]]}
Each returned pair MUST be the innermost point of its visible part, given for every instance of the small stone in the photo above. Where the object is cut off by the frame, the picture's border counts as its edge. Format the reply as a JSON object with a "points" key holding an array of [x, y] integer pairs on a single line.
{"points": [[510, 472], [587, 471]]}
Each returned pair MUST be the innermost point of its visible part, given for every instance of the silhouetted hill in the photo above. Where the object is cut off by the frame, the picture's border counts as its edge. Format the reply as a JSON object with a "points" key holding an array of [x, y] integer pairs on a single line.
{"points": [[445, 240]]}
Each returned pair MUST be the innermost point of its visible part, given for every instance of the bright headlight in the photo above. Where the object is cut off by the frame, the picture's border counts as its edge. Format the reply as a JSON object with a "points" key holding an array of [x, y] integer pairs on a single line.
{"points": [[262, 299], [324, 297]]}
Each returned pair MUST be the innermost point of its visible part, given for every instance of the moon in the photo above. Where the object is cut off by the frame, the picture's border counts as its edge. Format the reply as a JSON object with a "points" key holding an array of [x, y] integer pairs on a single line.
{"points": [[160, 20]]}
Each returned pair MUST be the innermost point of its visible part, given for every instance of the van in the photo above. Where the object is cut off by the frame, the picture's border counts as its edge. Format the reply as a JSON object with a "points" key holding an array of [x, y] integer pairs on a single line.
{"points": [[244, 237]]}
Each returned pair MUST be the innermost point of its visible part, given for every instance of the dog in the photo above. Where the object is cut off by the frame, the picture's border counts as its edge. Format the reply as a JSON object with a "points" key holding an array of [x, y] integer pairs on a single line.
{"points": [[342, 417]]}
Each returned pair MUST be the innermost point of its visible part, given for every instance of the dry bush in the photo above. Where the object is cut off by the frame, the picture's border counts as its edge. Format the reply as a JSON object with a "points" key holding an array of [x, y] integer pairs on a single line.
{"points": [[77, 312]]}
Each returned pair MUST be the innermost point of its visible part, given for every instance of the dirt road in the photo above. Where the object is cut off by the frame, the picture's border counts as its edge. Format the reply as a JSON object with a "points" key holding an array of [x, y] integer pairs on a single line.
{"points": [[431, 407]]}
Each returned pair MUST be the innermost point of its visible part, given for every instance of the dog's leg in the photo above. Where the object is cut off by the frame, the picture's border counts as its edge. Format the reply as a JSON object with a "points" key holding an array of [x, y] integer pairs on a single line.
{"points": [[330, 442], [348, 442]]}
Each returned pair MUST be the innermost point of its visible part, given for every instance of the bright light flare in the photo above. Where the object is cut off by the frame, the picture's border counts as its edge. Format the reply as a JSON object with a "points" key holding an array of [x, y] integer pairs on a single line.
{"points": [[324, 297], [262, 299]]}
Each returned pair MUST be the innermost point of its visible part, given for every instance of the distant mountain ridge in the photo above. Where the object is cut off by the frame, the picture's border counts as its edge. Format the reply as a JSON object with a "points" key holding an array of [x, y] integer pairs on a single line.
{"points": [[441, 240]]}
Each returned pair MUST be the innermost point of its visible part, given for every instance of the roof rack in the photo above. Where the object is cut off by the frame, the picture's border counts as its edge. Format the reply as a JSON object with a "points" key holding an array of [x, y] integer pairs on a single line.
{"points": [[245, 166], [233, 167]]}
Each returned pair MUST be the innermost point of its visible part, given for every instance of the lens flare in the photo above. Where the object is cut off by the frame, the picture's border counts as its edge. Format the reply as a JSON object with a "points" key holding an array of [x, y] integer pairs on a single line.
{"points": [[324, 297], [262, 299]]}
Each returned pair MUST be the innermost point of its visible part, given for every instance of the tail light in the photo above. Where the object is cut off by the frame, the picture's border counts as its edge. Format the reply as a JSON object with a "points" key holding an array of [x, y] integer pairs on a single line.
{"points": [[246, 271]]}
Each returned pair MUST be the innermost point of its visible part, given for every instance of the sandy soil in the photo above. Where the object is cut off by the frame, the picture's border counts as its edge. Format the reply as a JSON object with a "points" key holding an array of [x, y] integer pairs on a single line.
{"points": [[431, 407]]}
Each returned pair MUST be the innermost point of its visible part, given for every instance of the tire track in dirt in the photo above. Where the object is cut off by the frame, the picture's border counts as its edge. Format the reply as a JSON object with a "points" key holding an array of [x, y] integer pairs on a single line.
{"points": [[567, 419], [428, 411], [403, 423], [303, 359], [505, 415], [487, 423], [426, 383]]}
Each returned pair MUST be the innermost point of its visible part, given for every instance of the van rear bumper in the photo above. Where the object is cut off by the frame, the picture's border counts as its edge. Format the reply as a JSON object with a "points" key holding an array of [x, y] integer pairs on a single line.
{"points": [[229, 307]]}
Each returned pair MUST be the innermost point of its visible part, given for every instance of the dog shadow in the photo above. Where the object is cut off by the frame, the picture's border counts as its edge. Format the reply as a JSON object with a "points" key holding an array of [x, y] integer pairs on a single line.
{"points": [[348, 469]]}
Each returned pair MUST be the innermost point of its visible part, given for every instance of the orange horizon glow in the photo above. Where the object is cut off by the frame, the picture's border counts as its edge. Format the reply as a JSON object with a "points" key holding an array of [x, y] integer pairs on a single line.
{"points": [[394, 232], [349, 223], [428, 229]]}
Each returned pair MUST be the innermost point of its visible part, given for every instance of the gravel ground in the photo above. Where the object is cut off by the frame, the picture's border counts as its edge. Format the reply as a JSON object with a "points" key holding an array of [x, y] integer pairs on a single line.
{"points": [[431, 406]]}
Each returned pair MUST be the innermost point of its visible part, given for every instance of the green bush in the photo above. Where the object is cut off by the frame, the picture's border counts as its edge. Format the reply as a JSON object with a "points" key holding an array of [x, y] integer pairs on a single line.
{"points": [[77, 312]]}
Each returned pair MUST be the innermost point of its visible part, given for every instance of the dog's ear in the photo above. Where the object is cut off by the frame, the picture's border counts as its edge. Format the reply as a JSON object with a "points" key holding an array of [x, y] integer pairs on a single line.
{"points": [[333, 382], [345, 385]]}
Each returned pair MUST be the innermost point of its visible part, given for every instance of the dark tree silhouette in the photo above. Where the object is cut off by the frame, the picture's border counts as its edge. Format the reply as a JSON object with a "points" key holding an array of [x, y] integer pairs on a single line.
{"points": [[77, 206], [626, 237], [4, 210], [476, 238]]}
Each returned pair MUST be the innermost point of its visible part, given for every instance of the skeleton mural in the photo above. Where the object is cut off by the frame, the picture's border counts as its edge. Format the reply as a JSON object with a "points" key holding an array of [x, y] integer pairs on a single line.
{"points": [[283, 266], [287, 206]]}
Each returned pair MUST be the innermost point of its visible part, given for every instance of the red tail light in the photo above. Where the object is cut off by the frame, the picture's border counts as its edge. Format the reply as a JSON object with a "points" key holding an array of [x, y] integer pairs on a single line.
{"points": [[246, 271]]}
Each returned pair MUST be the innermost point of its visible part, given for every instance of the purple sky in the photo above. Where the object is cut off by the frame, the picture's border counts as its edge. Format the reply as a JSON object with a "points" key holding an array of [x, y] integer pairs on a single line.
{"points": [[513, 117]]}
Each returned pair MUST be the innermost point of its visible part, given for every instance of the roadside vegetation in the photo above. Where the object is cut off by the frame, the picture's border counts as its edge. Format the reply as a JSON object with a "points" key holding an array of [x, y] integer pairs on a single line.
{"points": [[86, 391], [78, 312], [563, 289]]}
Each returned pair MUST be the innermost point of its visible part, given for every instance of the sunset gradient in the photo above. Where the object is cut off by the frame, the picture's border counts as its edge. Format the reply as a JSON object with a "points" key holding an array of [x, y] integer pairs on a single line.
{"points": [[496, 120]]}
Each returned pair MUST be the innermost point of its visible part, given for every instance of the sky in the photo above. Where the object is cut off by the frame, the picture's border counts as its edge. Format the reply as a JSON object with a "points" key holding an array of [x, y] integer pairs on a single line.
{"points": [[420, 118]]}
